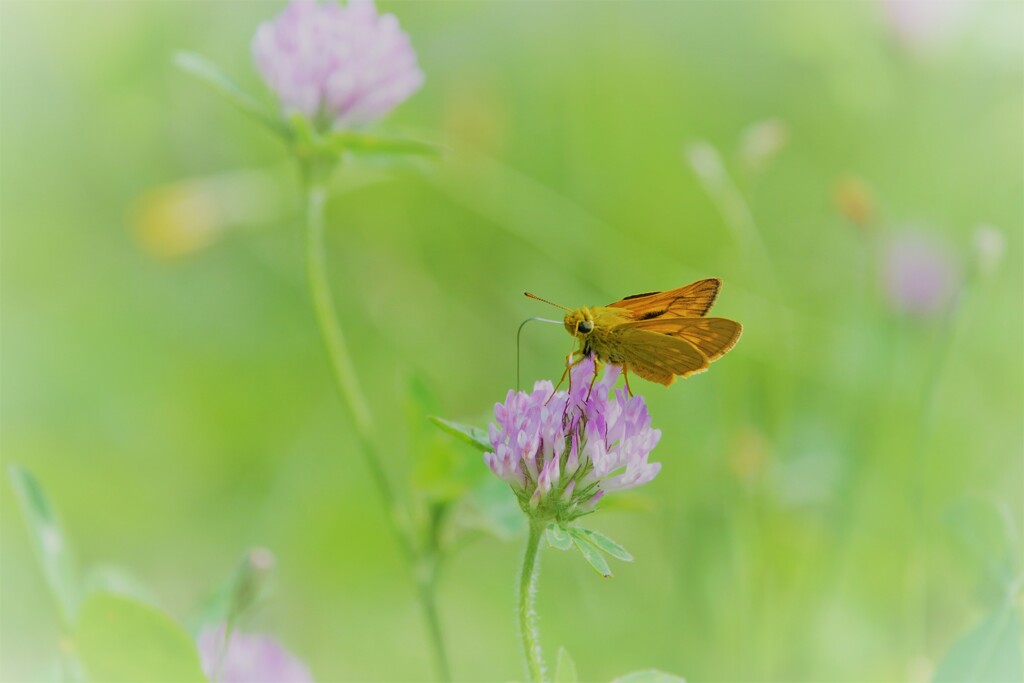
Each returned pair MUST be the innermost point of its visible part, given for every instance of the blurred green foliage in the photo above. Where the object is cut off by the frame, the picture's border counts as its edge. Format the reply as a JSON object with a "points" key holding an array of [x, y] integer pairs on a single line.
{"points": [[163, 377]]}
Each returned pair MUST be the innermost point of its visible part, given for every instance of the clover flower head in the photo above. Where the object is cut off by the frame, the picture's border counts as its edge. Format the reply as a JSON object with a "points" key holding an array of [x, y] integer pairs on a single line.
{"points": [[561, 452], [346, 65], [921, 276], [248, 658]]}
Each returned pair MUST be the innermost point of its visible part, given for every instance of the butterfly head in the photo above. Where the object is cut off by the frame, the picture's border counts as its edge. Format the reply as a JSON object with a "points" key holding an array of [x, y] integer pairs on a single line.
{"points": [[580, 322]]}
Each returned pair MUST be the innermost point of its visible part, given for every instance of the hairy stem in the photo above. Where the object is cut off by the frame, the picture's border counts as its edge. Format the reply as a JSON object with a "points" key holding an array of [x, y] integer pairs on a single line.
{"points": [[354, 401], [527, 613]]}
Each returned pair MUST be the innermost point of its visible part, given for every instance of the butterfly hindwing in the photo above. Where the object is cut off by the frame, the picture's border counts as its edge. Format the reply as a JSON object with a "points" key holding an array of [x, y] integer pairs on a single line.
{"points": [[713, 337], [654, 356]]}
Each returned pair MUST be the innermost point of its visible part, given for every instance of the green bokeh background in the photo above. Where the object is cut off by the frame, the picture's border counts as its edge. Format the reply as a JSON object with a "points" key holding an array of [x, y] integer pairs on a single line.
{"points": [[178, 407]]}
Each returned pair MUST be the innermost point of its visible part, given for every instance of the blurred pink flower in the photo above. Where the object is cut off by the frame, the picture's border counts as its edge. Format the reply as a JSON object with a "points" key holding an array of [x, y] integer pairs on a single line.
{"points": [[569, 449], [250, 658], [921, 276], [922, 23], [342, 65]]}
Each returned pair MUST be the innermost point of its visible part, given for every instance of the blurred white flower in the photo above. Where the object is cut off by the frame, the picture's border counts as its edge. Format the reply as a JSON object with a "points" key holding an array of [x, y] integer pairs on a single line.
{"points": [[989, 244], [761, 142], [705, 162]]}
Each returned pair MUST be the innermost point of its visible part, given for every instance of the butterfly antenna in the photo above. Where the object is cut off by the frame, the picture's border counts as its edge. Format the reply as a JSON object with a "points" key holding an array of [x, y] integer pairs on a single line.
{"points": [[519, 335], [534, 296]]}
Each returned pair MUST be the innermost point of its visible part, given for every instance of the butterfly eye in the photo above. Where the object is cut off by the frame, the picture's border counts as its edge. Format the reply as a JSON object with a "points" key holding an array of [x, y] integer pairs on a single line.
{"points": [[584, 326]]}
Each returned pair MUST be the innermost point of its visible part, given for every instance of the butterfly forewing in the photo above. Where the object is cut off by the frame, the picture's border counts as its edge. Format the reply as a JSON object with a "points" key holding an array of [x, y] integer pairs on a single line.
{"points": [[691, 301]]}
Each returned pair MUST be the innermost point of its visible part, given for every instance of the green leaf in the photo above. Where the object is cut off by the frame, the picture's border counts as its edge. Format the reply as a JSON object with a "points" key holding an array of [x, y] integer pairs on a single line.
{"points": [[649, 676], [594, 558], [983, 536], [210, 74], [991, 651], [48, 541], [423, 398], [107, 578], [443, 471], [558, 537], [491, 507], [603, 543], [120, 639], [369, 143], [627, 501], [565, 668], [474, 436]]}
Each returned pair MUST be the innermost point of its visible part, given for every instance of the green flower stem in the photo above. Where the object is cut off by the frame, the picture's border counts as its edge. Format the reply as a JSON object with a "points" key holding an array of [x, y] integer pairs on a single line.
{"points": [[327, 317], [352, 395], [354, 401], [527, 613], [427, 585]]}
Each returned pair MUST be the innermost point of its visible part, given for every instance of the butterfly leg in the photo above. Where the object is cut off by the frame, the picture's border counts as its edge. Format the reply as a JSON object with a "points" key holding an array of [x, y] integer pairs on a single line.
{"points": [[597, 369], [562, 379], [569, 364], [625, 376]]}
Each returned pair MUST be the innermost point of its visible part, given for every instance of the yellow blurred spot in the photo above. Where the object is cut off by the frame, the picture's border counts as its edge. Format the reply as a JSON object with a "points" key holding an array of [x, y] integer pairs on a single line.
{"points": [[473, 115], [174, 220], [180, 218], [749, 455], [66, 645], [854, 200]]}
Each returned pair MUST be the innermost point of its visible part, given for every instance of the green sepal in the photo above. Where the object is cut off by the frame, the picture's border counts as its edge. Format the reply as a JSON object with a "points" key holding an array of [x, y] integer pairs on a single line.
{"points": [[252, 574], [558, 537], [591, 554], [210, 74], [565, 668], [603, 543], [246, 587]]}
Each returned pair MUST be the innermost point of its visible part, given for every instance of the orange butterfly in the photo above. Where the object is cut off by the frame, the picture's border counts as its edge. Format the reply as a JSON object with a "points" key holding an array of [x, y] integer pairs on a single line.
{"points": [[657, 335]]}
